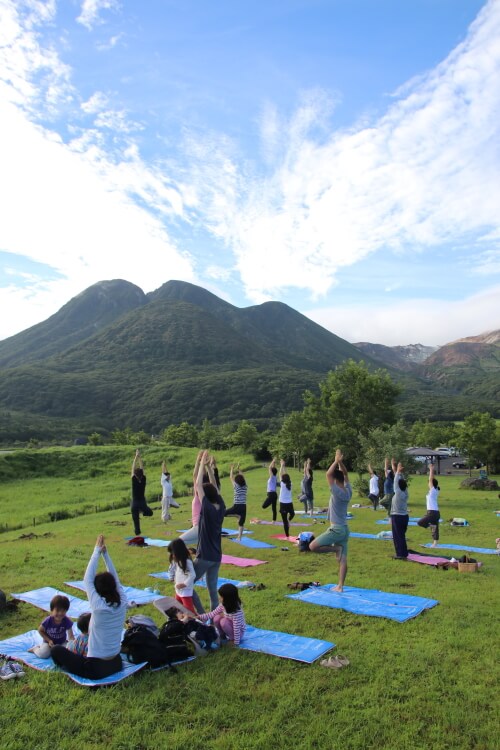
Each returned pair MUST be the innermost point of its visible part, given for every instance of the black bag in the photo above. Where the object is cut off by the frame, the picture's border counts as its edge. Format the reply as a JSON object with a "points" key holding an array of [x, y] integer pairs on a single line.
{"points": [[203, 634], [172, 633], [141, 645]]}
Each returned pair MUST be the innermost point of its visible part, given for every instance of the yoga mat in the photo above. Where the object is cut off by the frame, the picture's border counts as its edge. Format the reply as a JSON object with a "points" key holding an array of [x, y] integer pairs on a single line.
{"points": [[229, 532], [241, 562], [465, 548], [386, 521], [135, 596], [283, 538], [152, 542], [358, 535], [296, 647], [371, 602], [426, 559], [253, 543], [41, 598], [17, 647], [277, 523], [221, 581]]}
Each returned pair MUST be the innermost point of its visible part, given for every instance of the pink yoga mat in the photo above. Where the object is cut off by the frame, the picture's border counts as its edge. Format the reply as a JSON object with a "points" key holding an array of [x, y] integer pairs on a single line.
{"points": [[241, 562], [283, 538], [427, 560]]}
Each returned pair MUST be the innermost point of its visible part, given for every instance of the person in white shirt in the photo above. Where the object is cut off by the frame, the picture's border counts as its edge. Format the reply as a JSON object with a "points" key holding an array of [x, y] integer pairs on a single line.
{"points": [[374, 488], [433, 515], [272, 483], [287, 511], [184, 574], [167, 493], [108, 605]]}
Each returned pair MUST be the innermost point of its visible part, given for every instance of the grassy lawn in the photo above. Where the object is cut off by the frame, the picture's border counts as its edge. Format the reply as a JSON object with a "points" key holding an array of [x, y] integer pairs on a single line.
{"points": [[426, 683]]}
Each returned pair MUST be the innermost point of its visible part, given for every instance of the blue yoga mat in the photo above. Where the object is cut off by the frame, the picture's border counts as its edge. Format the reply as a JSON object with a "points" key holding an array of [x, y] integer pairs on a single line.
{"points": [[358, 535], [287, 646], [464, 547], [134, 596], [41, 598], [386, 521], [221, 581], [17, 647], [371, 602], [164, 575], [253, 543]]}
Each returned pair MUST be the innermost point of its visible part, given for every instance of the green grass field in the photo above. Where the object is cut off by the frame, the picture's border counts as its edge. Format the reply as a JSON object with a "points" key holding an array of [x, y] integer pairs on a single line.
{"points": [[431, 682]]}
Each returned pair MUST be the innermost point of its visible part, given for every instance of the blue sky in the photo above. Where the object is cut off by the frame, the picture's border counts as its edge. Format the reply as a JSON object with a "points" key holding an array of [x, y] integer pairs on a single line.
{"points": [[342, 156]]}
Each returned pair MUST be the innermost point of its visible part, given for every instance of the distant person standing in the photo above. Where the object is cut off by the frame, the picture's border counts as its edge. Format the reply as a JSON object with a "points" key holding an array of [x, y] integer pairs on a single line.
{"points": [[272, 495], [337, 537], [138, 504], [388, 487], [307, 488], [239, 507], [399, 513], [374, 488], [287, 511], [167, 493], [433, 515]]}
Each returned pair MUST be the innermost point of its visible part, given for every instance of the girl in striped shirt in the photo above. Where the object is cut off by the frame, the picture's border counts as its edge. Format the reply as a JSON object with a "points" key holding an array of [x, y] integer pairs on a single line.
{"points": [[240, 499], [228, 617]]}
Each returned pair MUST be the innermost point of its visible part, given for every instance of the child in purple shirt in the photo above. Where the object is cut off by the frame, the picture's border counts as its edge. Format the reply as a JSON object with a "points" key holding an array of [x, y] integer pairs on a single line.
{"points": [[56, 629]]}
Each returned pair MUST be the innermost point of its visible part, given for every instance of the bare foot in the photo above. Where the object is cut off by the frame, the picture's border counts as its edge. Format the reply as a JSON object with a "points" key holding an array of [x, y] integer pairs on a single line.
{"points": [[434, 544], [337, 588]]}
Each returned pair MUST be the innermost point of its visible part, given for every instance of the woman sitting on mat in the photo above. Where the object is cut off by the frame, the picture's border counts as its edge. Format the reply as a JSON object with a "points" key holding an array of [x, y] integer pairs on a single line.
{"points": [[108, 606], [433, 515]]}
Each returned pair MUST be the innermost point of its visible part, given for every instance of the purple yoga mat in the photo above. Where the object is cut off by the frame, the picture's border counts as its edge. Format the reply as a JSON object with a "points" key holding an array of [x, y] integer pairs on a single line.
{"points": [[241, 562]]}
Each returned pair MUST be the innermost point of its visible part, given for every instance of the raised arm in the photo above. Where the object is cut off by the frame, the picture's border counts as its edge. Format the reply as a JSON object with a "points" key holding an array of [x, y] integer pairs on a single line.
{"points": [[137, 462], [164, 467], [333, 466], [370, 469], [199, 477], [343, 470], [431, 476], [282, 467], [386, 466], [211, 471], [272, 466], [393, 465], [231, 474]]}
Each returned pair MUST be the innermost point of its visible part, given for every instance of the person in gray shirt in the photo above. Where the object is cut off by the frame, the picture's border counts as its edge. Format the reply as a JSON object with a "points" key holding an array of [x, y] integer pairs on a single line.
{"points": [[399, 512], [337, 536]]}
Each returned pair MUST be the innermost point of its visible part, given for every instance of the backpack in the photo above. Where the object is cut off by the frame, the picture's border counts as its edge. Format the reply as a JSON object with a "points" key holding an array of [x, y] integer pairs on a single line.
{"points": [[202, 634], [139, 645], [145, 621], [137, 541], [304, 539]]}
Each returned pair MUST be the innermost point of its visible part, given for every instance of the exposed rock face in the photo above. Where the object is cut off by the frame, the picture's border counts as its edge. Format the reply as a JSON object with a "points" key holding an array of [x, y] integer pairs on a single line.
{"points": [[400, 357], [480, 484]]}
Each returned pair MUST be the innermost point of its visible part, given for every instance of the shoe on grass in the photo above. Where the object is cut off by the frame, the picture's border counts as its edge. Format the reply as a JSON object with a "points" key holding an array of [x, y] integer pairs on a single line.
{"points": [[16, 668], [6, 672]]}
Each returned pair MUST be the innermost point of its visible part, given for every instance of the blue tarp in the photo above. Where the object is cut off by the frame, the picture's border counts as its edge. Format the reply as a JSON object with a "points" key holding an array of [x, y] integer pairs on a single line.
{"points": [[287, 646], [152, 542], [17, 647], [253, 543], [358, 535], [41, 598], [134, 596], [464, 547], [371, 602], [221, 581]]}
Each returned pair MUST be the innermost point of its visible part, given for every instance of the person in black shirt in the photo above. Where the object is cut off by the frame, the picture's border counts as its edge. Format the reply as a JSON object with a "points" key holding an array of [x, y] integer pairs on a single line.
{"points": [[138, 504]]}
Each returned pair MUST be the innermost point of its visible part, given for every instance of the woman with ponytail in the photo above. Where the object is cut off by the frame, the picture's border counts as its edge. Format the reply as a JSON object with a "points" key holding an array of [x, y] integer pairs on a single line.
{"points": [[108, 605], [287, 511]]}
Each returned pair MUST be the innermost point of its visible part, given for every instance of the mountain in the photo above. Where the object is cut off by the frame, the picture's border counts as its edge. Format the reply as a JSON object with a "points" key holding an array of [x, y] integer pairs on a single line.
{"points": [[84, 315], [115, 357], [399, 357]]}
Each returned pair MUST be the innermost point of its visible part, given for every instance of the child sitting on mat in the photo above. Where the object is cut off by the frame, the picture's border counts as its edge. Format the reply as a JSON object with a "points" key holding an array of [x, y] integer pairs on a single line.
{"points": [[56, 629], [81, 643], [228, 617], [184, 574]]}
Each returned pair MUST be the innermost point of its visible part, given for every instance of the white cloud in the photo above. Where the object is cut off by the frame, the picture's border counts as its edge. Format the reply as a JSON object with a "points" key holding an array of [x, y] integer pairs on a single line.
{"points": [[77, 207], [91, 10], [423, 174], [413, 321]]}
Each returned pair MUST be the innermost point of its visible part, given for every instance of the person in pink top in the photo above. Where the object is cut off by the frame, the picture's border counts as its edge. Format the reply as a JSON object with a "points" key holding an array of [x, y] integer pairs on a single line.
{"points": [[191, 535]]}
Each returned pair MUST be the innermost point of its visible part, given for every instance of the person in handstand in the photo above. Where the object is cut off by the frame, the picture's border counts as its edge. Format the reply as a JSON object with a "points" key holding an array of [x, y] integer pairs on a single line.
{"points": [[337, 536]]}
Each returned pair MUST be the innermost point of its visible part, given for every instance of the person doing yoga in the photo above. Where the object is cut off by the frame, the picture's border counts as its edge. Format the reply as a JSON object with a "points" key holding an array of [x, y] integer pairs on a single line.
{"points": [[138, 504], [239, 507], [433, 515], [287, 511], [108, 606], [399, 512], [337, 536], [272, 483]]}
